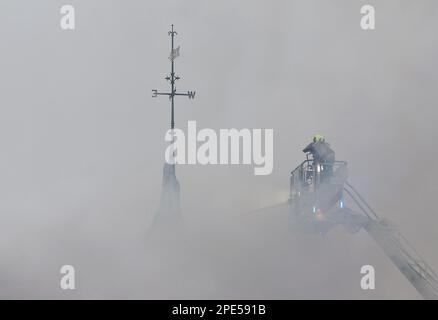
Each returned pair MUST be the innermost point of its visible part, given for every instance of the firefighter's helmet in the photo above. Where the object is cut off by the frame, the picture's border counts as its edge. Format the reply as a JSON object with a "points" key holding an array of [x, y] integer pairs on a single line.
{"points": [[318, 138]]}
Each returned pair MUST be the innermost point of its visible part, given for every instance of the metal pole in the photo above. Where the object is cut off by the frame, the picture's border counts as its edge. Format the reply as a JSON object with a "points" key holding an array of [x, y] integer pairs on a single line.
{"points": [[172, 81]]}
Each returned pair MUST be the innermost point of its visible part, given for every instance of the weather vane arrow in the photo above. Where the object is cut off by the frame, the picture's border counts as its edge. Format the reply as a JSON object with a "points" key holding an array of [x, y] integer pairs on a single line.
{"points": [[172, 78]]}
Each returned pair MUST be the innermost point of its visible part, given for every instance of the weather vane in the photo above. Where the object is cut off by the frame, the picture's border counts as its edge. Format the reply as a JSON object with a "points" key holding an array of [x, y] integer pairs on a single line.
{"points": [[172, 78]]}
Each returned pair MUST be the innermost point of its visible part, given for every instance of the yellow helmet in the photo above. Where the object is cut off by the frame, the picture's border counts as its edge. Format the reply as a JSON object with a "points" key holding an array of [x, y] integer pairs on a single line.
{"points": [[318, 138]]}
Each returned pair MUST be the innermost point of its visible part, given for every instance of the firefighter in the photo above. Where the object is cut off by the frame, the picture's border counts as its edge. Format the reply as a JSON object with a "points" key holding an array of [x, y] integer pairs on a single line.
{"points": [[323, 155]]}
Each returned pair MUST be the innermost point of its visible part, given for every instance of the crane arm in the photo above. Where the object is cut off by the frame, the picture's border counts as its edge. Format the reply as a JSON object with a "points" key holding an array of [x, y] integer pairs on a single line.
{"points": [[416, 271], [397, 248]]}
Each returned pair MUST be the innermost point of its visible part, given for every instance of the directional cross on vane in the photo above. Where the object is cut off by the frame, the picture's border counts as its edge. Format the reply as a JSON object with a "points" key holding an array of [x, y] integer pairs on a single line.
{"points": [[190, 94]]}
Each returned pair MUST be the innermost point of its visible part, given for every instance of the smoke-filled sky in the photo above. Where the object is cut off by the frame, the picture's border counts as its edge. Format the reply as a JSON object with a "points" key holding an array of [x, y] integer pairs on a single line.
{"points": [[82, 144]]}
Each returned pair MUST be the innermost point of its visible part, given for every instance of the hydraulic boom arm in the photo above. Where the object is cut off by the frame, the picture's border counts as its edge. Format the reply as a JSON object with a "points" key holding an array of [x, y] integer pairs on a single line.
{"points": [[398, 249]]}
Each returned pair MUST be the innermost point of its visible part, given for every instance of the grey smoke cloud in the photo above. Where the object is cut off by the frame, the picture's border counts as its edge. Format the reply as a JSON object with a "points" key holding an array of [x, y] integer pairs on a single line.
{"points": [[82, 144]]}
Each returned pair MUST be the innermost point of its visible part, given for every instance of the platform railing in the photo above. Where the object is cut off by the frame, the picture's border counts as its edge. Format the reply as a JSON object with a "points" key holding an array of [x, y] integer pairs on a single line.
{"points": [[309, 174]]}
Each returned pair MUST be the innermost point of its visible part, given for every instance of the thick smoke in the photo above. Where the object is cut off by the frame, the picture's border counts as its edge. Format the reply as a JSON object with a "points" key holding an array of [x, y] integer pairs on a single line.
{"points": [[83, 144]]}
